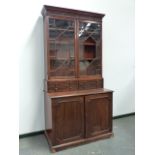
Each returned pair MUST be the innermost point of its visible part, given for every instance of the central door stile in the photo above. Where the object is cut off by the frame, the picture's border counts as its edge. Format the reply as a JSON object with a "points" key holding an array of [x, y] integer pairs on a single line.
{"points": [[76, 48]]}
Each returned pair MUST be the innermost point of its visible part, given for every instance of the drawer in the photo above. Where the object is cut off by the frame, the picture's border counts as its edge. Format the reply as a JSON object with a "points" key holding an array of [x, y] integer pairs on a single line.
{"points": [[51, 87], [62, 86], [58, 86], [100, 83], [87, 85], [73, 85]]}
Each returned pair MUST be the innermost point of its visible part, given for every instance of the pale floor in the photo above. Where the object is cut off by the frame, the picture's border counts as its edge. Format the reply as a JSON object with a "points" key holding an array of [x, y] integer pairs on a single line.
{"points": [[123, 142]]}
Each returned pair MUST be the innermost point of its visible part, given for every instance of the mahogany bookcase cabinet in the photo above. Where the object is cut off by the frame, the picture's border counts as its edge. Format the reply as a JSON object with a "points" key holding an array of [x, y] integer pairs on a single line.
{"points": [[77, 107]]}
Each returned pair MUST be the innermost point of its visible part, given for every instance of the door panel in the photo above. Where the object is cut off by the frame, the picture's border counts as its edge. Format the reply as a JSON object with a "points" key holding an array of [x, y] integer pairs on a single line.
{"points": [[61, 47], [98, 114], [68, 115], [89, 35]]}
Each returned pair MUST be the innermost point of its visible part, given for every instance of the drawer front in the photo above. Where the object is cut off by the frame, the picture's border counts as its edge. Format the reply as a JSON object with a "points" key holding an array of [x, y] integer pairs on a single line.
{"points": [[51, 87], [84, 85], [100, 83], [58, 86], [73, 85], [62, 86]]}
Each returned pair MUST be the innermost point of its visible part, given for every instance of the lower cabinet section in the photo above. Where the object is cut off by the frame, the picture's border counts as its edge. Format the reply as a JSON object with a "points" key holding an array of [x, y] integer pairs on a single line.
{"points": [[79, 119]]}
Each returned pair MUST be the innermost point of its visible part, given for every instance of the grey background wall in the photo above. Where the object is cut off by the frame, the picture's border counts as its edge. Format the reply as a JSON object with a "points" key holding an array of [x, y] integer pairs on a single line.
{"points": [[118, 56]]}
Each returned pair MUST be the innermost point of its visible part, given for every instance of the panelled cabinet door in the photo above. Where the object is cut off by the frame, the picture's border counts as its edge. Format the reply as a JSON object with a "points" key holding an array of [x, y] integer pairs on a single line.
{"points": [[68, 119], [98, 114]]}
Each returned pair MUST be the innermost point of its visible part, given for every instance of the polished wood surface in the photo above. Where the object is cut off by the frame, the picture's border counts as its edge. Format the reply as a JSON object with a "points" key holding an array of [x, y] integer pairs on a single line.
{"points": [[50, 10], [78, 109], [68, 119], [79, 93], [63, 85], [98, 114]]}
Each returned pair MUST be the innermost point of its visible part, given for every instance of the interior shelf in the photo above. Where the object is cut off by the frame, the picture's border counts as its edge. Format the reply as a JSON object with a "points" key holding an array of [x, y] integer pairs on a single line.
{"points": [[60, 29], [85, 59], [59, 59], [67, 41], [90, 44]]}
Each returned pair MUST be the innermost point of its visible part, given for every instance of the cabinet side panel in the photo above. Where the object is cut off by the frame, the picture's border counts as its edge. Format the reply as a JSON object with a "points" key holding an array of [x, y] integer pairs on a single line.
{"points": [[46, 46], [48, 115]]}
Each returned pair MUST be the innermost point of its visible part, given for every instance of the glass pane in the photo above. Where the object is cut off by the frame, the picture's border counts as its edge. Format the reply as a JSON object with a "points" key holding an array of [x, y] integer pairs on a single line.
{"points": [[60, 23], [89, 48], [62, 59]]}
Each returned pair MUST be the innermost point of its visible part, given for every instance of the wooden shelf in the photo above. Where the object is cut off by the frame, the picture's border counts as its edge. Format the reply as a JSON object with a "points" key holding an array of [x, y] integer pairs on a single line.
{"points": [[61, 29], [90, 32], [61, 42], [55, 58], [86, 59], [55, 69], [90, 44]]}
